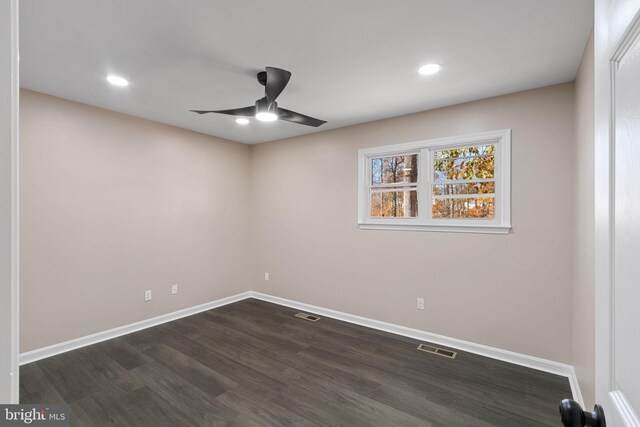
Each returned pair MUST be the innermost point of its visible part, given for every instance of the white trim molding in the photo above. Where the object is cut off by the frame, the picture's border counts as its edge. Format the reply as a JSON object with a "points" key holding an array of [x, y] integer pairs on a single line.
{"points": [[471, 347], [15, 203], [575, 386], [617, 31], [63, 347], [484, 229], [9, 195], [624, 409]]}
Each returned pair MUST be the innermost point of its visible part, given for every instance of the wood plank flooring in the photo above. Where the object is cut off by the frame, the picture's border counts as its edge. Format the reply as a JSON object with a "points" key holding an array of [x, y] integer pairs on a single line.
{"points": [[253, 363]]}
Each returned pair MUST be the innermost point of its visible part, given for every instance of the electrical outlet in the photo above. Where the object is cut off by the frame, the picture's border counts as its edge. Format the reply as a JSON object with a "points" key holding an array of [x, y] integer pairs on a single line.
{"points": [[266, 276], [147, 295], [174, 289], [420, 303]]}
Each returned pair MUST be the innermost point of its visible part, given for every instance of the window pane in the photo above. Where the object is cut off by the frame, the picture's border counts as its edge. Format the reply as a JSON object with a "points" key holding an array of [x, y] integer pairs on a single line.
{"points": [[394, 204], [465, 152], [464, 163], [464, 208], [471, 188], [396, 169]]}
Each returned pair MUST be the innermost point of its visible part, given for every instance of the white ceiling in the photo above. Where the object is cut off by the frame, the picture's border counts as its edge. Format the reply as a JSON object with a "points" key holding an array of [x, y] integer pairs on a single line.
{"points": [[351, 61]]}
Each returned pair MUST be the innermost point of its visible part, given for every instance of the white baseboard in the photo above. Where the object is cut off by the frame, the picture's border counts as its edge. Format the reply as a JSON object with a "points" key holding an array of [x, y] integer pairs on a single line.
{"points": [[52, 350], [575, 387], [471, 347]]}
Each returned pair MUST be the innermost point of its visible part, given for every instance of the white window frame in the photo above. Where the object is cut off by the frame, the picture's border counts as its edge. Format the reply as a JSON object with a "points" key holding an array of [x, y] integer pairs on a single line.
{"points": [[501, 224]]}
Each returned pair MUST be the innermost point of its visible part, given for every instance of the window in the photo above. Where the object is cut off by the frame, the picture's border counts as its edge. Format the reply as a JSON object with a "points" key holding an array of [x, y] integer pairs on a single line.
{"points": [[464, 182], [394, 187], [448, 184]]}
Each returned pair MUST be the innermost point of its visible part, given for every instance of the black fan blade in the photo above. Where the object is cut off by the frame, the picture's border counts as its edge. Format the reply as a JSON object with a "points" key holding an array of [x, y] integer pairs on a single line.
{"points": [[292, 116], [244, 111], [277, 79]]}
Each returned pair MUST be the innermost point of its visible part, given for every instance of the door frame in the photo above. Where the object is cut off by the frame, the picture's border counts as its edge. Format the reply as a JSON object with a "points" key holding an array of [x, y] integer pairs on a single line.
{"points": [[9, 203], [611, 43]]}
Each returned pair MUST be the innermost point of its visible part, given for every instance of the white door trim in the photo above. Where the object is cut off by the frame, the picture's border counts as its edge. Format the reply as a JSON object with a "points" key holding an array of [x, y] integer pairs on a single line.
{"points": [[624, 409], [15, 206], [603, 183], [616, 397], [609, 53], [9, 378]]}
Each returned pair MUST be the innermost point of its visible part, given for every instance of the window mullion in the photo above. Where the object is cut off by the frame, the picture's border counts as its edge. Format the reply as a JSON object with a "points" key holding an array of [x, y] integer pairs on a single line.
{"points": [[425, 182], [497, 174], [367, 194], [430, 175], [464, 181], [394, 185], [463, 196], [393, 189]]}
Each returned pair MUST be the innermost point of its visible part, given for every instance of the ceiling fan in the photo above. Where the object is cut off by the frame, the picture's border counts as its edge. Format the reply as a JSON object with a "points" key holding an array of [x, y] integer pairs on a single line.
{"points": [[266, 109]]}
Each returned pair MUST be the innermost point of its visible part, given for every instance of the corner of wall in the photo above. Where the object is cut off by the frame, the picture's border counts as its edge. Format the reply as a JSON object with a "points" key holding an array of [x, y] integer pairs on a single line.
{"points": [[583, 310]]}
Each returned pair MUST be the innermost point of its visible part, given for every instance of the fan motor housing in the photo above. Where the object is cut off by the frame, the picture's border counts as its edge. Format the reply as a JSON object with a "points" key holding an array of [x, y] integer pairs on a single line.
{"points": [[264, 106], [262, 78]]}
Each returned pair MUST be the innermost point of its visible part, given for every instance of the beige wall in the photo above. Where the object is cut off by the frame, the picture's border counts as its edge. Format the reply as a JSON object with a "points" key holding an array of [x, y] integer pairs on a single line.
{"points": [[513, 292], [584, 275], [113, 205]]}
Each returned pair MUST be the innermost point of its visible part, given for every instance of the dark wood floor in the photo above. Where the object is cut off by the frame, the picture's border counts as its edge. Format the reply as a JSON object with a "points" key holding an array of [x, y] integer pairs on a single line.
{"points": [[253, 363]]}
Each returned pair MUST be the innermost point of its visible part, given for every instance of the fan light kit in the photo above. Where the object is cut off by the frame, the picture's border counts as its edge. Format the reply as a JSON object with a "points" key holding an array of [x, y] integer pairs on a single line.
{"points": [[266, 116], [266, 109], [427, 70], [117, 80]]}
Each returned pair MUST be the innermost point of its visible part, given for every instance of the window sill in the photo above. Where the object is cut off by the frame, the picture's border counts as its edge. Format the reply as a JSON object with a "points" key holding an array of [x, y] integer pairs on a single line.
{"points": [[479, 229]]}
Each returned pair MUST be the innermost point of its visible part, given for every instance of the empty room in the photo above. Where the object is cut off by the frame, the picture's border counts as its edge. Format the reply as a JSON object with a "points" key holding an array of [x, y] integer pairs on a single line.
{"points": [[319, 213]]}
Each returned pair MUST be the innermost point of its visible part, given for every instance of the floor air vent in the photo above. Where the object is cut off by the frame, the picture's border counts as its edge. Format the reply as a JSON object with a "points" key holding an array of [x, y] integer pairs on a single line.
{"points": [[439, 351], [309, 317]]}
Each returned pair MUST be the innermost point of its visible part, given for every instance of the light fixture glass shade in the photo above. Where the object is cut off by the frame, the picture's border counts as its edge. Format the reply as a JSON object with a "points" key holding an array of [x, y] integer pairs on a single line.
{"points": [[429, 69], [266, 116], [266, 111], [117, 80]]}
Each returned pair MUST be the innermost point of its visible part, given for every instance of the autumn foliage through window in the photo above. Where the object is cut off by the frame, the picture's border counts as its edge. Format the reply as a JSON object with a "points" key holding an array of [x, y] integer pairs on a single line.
{"points": [[450, 184], [464, 183], [394, 182]]}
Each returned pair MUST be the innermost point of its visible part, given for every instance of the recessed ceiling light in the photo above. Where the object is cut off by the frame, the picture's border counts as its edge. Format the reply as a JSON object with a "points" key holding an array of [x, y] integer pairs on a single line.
{"points": [[117, 80], [265, 116], [242, 121], [429, 69]]}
